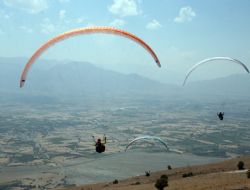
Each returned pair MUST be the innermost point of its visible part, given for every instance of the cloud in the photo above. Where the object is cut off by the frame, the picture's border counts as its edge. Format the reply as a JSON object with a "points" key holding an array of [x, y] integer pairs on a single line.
{"points": [[30, 6], [62, 14], [186, 14], [153, 25], [26, 29], [124, 8], [47, 26], [117, 23]]}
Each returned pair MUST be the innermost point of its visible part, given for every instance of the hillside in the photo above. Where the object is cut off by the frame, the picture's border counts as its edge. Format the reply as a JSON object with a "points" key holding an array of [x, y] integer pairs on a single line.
{"points": [[222, 175]]}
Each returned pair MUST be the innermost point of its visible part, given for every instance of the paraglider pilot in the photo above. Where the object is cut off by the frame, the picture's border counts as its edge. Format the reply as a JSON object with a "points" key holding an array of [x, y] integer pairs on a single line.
{"points": [[220, 115], [100, 144]]}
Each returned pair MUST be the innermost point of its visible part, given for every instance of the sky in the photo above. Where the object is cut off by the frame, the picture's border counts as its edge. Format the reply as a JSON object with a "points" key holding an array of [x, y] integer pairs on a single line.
{"points": [[180, 32]]}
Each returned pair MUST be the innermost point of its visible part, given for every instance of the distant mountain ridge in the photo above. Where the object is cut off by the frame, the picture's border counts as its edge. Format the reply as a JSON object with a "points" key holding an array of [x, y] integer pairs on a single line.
{"points": [[73, 79]]}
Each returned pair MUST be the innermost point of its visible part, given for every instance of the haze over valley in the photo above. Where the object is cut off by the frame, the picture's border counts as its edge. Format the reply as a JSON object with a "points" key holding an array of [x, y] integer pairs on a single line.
{"points": [[48, 125]]}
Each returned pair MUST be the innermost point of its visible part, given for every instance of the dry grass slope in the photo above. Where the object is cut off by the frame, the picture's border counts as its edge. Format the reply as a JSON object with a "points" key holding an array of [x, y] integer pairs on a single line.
{"points": [[223, 175]]}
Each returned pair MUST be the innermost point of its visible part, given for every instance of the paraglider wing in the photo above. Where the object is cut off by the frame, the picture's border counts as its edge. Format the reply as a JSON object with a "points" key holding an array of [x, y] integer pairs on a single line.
{"points": [[213, 59], [81, 31], [146, 138]]}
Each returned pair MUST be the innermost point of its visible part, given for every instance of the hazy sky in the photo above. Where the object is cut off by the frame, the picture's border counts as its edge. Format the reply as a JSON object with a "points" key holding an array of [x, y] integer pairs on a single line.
{"points": [[180, 32]]}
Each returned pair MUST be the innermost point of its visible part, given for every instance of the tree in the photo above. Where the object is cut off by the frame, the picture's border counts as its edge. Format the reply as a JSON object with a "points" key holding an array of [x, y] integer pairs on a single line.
{"points": [[240, 165], [248, 174], [162, 182]]}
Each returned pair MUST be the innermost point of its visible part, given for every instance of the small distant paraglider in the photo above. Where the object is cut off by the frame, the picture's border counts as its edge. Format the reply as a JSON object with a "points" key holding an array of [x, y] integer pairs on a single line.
{"points": [[147, 138], [220, 114]]}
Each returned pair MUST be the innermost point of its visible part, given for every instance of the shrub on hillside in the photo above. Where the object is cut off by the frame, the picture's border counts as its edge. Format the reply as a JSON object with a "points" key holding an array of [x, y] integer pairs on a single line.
{"points": [[147, 173], [162, 182], [115, 181], [240, 165], [248, 174], [189, 174], [136, 183]]}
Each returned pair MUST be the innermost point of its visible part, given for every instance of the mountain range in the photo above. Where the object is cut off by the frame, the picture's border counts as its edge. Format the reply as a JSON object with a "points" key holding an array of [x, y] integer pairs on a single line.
{"points": [[69, 79]]}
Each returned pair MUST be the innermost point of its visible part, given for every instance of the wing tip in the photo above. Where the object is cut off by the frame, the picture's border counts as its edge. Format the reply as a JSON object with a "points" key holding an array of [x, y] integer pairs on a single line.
{"points": [[183, 84], [158, 63], [22, 83]]}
